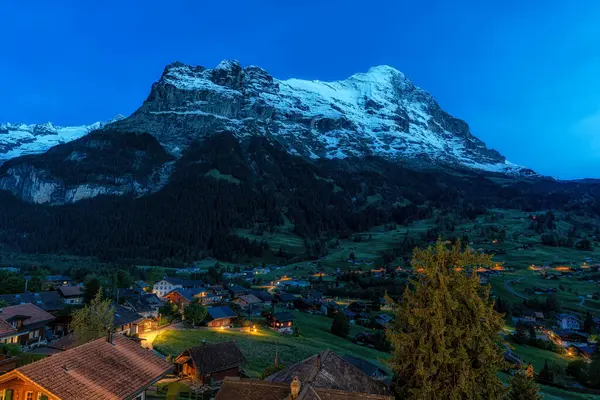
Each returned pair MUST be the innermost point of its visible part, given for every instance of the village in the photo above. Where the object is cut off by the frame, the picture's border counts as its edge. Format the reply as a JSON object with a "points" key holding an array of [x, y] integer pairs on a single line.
{"points": [[264, 326]]}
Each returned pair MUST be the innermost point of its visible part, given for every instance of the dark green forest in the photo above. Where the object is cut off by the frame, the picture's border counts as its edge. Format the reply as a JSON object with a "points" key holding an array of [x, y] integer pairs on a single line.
{"points": [[195, 213]]}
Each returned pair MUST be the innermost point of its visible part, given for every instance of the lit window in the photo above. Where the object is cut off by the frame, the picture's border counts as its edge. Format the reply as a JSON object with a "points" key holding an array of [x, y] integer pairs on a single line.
{"points": [[29, 396]]}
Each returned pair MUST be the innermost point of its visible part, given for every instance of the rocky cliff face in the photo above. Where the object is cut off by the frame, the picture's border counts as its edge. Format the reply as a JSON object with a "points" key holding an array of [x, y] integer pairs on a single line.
{"points": [[102, 163], [375, 113]]}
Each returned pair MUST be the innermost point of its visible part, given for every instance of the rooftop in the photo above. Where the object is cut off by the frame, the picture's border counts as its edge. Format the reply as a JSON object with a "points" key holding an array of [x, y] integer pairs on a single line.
{"points": [[124, 316], [328, 370], [70, 291], [254, 389], [221, 312], [34, 315], [47, 301], [97, 370], [215, 357]]}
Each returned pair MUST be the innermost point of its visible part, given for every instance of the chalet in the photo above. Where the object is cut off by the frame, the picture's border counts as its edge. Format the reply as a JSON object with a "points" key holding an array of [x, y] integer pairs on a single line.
{"points": [[183, 297], [168, 284], [306, 305], [314, 296], [124, 294], [327, 370], [568, 322], [358, 307], [220, 293], [24, 324], [265, 297], [261, 271], [51, 282], [71, 294], [108, 368], [127, 321], [367, 368], [147, 304], [250, 304], [237, 291], [293, 283], [282, 321], [210, 363], [47, 301], [285, 299], [220, 316]]}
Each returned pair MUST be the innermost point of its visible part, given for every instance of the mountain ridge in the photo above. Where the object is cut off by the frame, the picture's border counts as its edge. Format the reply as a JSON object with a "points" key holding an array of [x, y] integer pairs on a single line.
{"points": [[377, 113]]}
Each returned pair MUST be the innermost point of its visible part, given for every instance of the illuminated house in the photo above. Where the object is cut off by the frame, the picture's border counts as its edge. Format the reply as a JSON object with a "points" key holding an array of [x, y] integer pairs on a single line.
{"points": [[282, 321], [115, 368], [23, 324]]}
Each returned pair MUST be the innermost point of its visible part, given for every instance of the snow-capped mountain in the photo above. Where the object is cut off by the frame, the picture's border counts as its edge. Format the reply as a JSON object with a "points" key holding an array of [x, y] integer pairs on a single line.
{"points": [[22, 139], [379, 112]]}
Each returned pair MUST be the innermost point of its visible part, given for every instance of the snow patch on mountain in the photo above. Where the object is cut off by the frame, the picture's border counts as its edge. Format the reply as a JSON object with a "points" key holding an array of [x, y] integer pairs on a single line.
{"points": [[23, 139]]}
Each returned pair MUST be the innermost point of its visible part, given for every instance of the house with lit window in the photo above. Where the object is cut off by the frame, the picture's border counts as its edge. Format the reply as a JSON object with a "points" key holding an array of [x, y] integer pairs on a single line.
{"points": [[220, 317], [114, 367], [282, 321], [71, 294], [168, 284], [23, 324]]}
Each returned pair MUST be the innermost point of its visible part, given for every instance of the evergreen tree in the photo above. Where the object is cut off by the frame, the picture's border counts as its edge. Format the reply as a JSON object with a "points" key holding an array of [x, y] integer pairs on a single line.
{"points": [[523, 387], [545, 374], [446, 330], [91, 289], [195, 313], [94, 320], [594, 370], [589, 325], [340, 325]]}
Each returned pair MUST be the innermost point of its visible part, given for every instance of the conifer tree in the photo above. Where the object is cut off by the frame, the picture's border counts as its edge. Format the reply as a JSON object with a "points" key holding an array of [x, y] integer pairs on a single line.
{"points": [[446, 333], [523, 386], [94, 320]]}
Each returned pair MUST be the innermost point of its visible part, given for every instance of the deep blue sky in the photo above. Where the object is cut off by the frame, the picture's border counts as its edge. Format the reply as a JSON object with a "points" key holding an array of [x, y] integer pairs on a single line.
{"points": [[524, 74]]}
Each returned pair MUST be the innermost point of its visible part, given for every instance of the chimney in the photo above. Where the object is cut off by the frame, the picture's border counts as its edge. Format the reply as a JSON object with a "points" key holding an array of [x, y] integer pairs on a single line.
{"points": [[295, 388], [108, 336]]}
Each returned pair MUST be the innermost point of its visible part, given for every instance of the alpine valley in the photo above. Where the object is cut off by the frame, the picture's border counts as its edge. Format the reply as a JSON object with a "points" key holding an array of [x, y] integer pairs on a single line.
{"points": [[213, 151]]}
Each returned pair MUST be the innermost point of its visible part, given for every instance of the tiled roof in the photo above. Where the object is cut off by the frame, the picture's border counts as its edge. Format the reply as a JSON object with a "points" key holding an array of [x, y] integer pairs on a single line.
{"points": [[47, 301], [254, 389], [98, 370], [71, 291], [329, 370], [264, 296], [221, 312], [365, 366], [124, 316], [34, 314], [250, 299], [188, 294], [215, 357], [6, 329]]}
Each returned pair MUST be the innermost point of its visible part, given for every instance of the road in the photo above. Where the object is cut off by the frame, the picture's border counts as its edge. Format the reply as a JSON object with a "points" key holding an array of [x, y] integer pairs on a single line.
{"points": [[507, 286], [582, 306]]}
